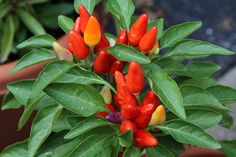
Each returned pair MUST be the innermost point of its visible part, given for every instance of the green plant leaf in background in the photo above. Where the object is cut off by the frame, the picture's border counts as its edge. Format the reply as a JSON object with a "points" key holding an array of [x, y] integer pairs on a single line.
{"points": [[166, 89], [65, 23], [197, 48], [159, 23], [4, 9], [42, 127], [50, 73], [132, 151], [159, 150], [81, 99], [228, 148], [126, 139], [201, 82], [39, 41], [10, 102], [89, 5], [178, 32], [225, 95], [31, 58], [31, 22], [19, 149], [122, 10], [125, 53], [188, 133], [196, 96], [7, 39]]}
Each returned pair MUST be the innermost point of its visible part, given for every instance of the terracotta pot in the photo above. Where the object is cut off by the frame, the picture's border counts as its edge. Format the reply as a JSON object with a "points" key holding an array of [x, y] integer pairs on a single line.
{"points": [[201, 152], [9, 118]]}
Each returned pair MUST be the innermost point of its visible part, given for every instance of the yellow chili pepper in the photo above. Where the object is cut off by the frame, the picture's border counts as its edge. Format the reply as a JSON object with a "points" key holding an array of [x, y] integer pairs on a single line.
{"points": [[92, 33], [158, 116]]}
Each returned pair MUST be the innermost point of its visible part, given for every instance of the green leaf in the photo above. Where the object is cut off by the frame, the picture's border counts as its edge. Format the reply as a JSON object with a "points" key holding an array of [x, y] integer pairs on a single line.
{"points": [[4, 9], [31, 58], [7, 39], [178, 32], [122, 10], [39, 41], [132, 151], [81, 76], [196, 48], [195, 69], [187, 133], [201, 82], [225, 95], [65, 23], [19, 149], [89, 5], [159, 150], [21, 90], [204, 118], [50, 73], [196, 96], [125, 53], [81, 99], [227, 120], [166, 89], [42, 127], [228, 148], [86, 125], [10, 102], [31, 22], [126, 139], [159, 23]]}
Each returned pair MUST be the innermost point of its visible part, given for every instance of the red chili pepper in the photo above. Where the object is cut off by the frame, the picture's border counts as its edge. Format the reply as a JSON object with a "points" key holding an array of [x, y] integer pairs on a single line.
{"points": [[129, 111], [127, 125], [76, 27], [138, 29], [103, 43], [148, 41], [145, 114], [92, 33], [116, 66], [77, 45], [143, 139], [134, 78], [110, 108], [151, 98], [84, 17], [102, 63], [115, 101], [123, 95], [122, 37]]}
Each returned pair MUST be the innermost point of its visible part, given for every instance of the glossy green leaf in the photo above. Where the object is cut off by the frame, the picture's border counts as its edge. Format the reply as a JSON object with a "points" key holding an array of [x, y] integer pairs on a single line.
{"points": [[167, 90], [225, 95], [7, 39], [4, 9], [50, 73], [228, 148], [42, 127], [39, 41], [19, 149], [196, 48], [125, 53], [86, 125], [89, 5], [31, 22], [201, 82], [202, 117], [81, 99], [196, 96], [159, 150], [195, 69], [178, 32], [126, 139], [132, 151], [10, 102], [122, 10], [80, 76], [159, 23], [31, 58], [227, 120], [187, 133], [65, 23]]}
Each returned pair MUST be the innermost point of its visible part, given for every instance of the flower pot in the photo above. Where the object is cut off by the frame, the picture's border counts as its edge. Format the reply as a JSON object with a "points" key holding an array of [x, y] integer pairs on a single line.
{"points": [[9, 118], [201, 152]]}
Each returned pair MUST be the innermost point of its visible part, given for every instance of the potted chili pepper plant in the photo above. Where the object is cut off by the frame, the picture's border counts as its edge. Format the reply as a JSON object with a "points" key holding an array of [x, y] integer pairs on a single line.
{"points": [[119, 96]]}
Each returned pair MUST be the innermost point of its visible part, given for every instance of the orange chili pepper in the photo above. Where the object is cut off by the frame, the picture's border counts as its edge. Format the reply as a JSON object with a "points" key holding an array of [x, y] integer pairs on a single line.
{"points": [[148, 41], [92, 33]]}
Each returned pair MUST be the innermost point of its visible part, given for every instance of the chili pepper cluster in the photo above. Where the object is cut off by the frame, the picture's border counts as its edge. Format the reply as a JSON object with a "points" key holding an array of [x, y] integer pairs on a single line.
{"points": [[125, 108]]}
